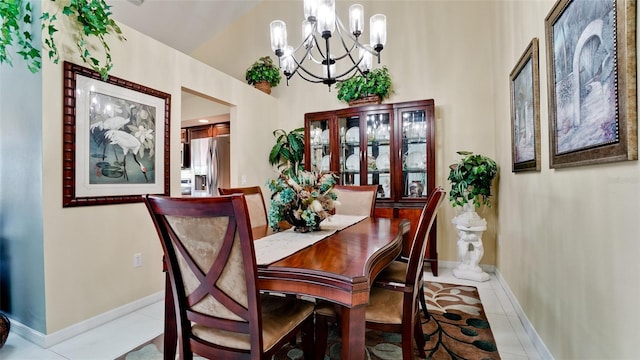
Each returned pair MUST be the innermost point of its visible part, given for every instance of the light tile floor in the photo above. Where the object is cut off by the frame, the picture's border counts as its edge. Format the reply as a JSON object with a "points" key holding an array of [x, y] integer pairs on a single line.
{"points": [[119, 336]]}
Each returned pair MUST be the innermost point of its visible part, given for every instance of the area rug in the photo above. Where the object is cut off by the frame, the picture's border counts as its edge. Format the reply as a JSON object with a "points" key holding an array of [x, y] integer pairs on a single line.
{"points": [[457, 328]]}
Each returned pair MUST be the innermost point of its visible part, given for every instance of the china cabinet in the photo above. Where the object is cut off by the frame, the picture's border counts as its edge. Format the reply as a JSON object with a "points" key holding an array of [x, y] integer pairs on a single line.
{"points": [[389, 145]]}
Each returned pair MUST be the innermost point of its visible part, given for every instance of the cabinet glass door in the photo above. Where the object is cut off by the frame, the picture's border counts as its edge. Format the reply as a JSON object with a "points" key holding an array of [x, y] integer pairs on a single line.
{"points": [[320, 150], [414, 153], [350, 153], [379, 153]]}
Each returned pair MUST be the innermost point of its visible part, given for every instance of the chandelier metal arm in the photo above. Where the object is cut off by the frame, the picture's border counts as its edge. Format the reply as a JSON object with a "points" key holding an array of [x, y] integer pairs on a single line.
{"points": [[299, 67]]}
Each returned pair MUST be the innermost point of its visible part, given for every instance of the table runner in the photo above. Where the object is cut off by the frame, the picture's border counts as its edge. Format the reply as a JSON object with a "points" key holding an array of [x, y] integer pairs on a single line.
{"points": [[277, 246]]}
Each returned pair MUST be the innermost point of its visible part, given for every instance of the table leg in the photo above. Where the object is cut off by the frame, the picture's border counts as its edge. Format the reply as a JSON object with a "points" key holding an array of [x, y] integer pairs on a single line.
{"points": [[353, 329]]}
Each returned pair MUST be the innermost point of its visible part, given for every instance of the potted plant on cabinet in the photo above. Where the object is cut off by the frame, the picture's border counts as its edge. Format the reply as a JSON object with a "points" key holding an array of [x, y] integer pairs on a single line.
{"points": [[471, 179], [374, 87], [263, 74], [89, 18]]}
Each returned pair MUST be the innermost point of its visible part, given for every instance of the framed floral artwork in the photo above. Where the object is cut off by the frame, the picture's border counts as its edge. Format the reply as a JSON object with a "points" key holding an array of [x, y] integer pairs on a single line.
{"points": [[116, 139], [525, 111], [591, 50]]}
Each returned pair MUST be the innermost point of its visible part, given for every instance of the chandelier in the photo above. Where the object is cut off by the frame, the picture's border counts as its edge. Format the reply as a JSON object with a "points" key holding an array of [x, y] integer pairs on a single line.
{"points": [[320, 18]]}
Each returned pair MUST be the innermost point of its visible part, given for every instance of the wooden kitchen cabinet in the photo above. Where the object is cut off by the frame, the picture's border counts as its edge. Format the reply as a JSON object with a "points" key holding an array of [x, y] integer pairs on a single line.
{"points": [[205, 131], [389, 145]]}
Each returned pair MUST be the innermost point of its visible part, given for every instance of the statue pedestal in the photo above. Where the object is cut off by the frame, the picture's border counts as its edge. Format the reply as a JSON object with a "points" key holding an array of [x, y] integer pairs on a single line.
{"points": [[470, 227]]}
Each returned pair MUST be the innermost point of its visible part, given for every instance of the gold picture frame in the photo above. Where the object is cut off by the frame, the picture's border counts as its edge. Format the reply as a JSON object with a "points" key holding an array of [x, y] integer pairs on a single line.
{"points": [[591, 60], [525, 111]]}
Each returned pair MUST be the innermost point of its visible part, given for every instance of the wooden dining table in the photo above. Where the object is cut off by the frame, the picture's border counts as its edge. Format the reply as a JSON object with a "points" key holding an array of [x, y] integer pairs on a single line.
{"points": [[338, 269]]}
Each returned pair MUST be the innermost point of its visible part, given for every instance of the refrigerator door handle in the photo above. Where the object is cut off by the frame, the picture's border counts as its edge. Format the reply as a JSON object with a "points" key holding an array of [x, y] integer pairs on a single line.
{"points": [[216, 169], [210, 168]]}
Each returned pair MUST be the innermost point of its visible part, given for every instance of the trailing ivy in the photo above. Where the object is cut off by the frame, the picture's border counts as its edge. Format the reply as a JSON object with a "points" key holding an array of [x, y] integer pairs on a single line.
{"points": [[94, 19], [16, 17], [91, 17]]}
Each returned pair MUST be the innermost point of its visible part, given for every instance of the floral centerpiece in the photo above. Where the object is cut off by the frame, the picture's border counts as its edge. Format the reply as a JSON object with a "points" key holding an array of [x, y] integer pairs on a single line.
{"points": [[303, 200]]}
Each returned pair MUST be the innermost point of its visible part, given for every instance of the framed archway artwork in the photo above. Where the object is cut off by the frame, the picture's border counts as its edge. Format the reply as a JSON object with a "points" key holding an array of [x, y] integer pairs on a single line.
{"points": [[591, 61], [525, 111]]}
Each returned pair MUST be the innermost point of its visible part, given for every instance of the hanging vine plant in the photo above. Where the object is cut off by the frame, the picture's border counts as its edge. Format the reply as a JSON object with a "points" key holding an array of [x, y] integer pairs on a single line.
{"points": [[92, 19]]}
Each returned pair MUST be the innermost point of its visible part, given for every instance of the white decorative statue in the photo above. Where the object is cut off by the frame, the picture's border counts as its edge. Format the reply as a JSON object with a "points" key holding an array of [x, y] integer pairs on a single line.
{"points": [[471, 179], [470, 227]]}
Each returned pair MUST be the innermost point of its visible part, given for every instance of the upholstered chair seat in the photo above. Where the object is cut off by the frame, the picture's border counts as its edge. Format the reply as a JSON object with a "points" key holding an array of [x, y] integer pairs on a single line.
{"points": [[280, 315], [393, 305], [396, 272]]}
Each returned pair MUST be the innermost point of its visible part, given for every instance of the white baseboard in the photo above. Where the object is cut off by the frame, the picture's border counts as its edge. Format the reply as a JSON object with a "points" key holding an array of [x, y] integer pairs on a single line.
{"points": [[528, 327], [46, 341], [454, 264]]}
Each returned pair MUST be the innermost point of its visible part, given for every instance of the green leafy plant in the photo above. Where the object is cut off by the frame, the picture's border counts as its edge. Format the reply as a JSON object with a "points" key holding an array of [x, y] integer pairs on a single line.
{"points": [[91, 17], [375, 82], [471, 179], [263, 70], [16, 16], [288, 151]]}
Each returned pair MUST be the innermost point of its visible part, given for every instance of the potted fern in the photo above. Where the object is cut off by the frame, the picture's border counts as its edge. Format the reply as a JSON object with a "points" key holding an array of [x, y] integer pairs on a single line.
{"points": [[374, 87], [263, 74]]}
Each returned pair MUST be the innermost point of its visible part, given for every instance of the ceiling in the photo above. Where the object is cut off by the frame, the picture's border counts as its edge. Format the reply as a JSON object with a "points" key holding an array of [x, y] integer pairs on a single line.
{"points": [[182, 24]]}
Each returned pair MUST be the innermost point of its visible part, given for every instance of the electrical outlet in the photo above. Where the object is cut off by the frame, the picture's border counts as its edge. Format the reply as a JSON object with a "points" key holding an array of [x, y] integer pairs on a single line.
{"points": [[137, 260], [243, 180]]}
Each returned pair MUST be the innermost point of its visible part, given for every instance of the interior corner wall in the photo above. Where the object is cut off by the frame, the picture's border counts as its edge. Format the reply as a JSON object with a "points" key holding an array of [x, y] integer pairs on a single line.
{"points": [[21, 233], [568, 238], [88, 251], [435, 50]]}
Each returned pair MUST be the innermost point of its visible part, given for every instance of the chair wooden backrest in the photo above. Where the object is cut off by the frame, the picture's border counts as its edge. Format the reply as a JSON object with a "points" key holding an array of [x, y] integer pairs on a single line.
{"points": [[416, 255], [356, 200], [255, 203], [208, 249]]}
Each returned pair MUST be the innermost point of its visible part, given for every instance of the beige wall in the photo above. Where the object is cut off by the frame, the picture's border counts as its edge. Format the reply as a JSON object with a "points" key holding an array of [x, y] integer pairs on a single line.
{"points": [[568, 238], [423, 64], [89, 250]]}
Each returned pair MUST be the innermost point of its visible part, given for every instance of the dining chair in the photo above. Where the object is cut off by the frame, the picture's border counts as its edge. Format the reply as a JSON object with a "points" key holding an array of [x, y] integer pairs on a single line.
{"points": [[355, 200], [255, 203], [396, 272], [393, 307], [210, 259]]}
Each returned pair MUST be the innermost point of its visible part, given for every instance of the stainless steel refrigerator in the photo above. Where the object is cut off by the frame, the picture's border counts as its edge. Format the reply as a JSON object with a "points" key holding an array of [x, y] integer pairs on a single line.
{"points": [[209, 165]]}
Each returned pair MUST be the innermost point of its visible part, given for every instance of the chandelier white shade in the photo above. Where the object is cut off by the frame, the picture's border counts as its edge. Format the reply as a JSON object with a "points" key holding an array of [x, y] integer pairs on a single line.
{"points": [[313, 59]]}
